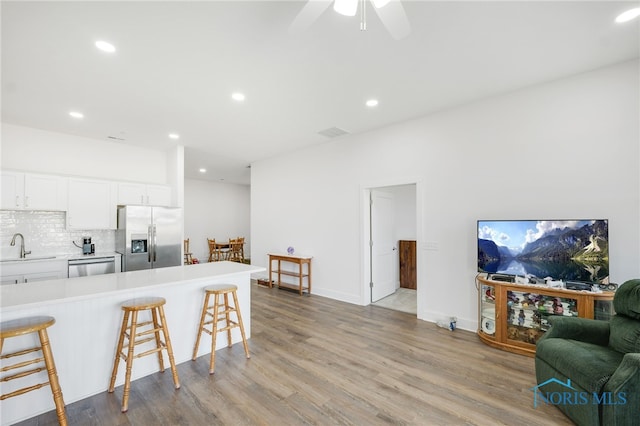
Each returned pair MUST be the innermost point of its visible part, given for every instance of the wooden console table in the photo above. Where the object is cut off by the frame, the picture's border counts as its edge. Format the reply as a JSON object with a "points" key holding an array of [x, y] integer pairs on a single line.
{"points": [[300, 273], [512, 317]]}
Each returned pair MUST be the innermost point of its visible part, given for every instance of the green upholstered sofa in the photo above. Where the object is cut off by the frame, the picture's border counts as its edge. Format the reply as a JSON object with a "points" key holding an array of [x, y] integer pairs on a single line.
{"points": [[590, 369]]}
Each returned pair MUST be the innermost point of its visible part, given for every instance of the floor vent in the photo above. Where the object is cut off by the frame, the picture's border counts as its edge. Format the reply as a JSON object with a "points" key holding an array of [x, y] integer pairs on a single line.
{"points": [[333, 132]]}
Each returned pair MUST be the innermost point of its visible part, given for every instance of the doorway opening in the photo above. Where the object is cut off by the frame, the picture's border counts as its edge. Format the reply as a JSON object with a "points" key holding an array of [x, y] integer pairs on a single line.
{"points": [[391, 234]]}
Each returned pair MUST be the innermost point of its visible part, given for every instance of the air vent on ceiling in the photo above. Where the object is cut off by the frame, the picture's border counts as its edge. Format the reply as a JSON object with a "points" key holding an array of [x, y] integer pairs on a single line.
{"points": [[333, 132], [115, 138]]}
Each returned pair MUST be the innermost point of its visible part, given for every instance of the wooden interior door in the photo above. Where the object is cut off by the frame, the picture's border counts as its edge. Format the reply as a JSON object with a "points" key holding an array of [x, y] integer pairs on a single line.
{"points": [[407, 255]]}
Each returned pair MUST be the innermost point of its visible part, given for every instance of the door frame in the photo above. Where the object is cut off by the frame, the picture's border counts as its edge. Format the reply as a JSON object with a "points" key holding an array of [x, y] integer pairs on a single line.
{"points": [[365, 222]]}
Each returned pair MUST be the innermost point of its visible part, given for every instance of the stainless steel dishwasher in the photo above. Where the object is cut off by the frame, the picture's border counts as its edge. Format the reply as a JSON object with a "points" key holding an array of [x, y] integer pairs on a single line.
{"points": [[93, 266]]}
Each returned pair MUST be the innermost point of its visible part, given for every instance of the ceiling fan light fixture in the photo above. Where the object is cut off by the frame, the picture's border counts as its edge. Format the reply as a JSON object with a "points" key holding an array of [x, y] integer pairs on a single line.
{"points": [[380, 3], [346, 7]]}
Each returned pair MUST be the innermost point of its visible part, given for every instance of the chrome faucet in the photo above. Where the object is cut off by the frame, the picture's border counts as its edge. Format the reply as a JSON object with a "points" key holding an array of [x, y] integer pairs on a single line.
{"points": [[23, 253]]}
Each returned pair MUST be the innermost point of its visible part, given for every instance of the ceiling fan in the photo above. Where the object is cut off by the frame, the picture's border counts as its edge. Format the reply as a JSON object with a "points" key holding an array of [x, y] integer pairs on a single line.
{"points": [[390, 12]]}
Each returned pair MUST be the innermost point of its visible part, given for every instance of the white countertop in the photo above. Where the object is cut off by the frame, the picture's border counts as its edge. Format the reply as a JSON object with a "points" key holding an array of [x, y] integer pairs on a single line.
{"points": [[72, 289], [43, 257]]}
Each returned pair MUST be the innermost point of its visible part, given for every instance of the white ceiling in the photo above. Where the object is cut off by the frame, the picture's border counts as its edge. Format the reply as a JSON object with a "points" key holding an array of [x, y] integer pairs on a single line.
{"points": [[177, 64]]}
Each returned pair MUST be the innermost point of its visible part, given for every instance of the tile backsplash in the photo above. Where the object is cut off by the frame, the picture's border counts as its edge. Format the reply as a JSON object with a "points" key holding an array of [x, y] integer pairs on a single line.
{"points": [[45, 234]]}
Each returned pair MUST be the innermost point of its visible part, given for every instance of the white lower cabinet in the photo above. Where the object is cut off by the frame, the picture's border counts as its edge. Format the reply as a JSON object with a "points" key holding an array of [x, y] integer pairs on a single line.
{"points": [[28, 271]]}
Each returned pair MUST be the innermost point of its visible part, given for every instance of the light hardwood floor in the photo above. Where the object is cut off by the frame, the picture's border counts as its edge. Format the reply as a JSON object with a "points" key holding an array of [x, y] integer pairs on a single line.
{"points": [[319, 361]]}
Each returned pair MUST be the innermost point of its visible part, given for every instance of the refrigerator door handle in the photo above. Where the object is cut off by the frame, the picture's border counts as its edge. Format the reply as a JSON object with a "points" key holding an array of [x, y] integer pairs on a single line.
{"points": [[150, 246], [154, 243]]}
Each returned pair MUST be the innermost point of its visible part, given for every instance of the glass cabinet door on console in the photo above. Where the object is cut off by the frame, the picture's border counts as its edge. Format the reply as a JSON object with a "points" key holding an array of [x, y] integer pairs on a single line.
{"points": [[488, 309], [528, 314]]}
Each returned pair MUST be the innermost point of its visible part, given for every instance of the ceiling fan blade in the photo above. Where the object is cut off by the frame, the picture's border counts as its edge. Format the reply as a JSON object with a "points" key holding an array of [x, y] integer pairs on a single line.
{"points": [[395, 19], [309, 13]]}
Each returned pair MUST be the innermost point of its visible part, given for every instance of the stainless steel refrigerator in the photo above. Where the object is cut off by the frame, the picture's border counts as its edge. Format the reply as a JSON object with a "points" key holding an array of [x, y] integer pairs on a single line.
{"points": [[149, 237]]}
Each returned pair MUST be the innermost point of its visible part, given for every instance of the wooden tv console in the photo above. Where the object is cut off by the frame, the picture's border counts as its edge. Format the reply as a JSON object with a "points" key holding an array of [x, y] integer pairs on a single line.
{"points": [[512, 317]]}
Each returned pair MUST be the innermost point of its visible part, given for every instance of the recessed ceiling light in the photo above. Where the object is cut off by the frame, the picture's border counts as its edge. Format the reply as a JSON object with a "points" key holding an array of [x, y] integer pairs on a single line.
{"points": [[372, 103], [203, 170], [105, 46], [76, 114], [238, 96], [346, 7], [174, 136], [628, 15], [380, 3]]}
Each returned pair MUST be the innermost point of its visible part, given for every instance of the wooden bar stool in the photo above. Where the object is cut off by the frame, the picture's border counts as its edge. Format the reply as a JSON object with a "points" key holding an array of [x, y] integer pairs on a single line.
{"points": [[218, 313], [138, 333], [22, 326]]}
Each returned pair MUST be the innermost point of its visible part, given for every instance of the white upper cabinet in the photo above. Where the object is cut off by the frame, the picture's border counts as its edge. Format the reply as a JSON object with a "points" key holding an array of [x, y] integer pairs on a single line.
{"points": [[91, 204], [30, 191], [139, 193]]}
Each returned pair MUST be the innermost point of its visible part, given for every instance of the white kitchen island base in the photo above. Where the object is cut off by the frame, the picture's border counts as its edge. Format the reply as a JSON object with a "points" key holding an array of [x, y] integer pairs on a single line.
{"points": [[88, 318]]}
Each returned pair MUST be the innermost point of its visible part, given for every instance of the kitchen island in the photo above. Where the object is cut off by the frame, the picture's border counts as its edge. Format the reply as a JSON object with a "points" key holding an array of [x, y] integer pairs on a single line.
{"points": [[88, 318]]}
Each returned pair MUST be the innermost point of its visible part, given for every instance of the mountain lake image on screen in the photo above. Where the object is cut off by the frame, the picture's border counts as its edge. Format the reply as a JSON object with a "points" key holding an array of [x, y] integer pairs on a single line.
{"points": [[576, 250]]}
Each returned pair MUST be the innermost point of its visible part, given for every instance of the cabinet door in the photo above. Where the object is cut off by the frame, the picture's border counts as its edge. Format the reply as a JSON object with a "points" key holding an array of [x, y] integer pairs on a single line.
{"points": [[43, 276], [158, 195], [11, 197], [91, 204], [11, 279], [131, 193], [44, 192]]}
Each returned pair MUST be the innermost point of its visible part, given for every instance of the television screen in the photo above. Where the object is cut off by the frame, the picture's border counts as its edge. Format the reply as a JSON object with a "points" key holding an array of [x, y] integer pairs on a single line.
{"points": [[567, 250]]}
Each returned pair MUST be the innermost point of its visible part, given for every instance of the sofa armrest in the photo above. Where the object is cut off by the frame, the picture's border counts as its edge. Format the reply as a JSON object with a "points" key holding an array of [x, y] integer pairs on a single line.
{"points": [[581, 329]]}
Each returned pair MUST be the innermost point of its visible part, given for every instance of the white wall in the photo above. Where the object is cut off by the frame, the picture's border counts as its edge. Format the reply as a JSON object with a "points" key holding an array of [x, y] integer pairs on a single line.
{"points": [[405, 212], [215, 210], [566, 149], [34, 150]]}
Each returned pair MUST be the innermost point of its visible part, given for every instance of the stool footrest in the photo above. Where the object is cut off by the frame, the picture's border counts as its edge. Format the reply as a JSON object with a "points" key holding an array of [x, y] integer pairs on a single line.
{"points": [[24, 374], [151, 351], [19, 353], [232, 325], [141, 341], [22, 364], [23, 390]]}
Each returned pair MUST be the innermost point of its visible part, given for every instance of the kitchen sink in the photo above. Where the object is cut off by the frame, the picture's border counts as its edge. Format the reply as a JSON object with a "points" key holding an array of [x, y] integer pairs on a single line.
{"points": [[26, 259]]}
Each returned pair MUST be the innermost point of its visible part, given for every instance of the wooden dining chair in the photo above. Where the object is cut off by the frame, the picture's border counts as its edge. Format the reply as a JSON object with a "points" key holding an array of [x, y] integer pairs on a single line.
{"points": [[236, 249], [188, 256], [216, 251]]}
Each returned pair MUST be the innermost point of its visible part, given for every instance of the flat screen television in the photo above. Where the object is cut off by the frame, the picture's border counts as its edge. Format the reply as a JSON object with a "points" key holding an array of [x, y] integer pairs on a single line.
{"points": [[567, 250]]}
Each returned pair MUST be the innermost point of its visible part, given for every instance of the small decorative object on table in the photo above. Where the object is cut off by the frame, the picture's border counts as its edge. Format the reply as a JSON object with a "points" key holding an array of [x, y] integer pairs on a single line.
{"points": [[290, 250]]}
